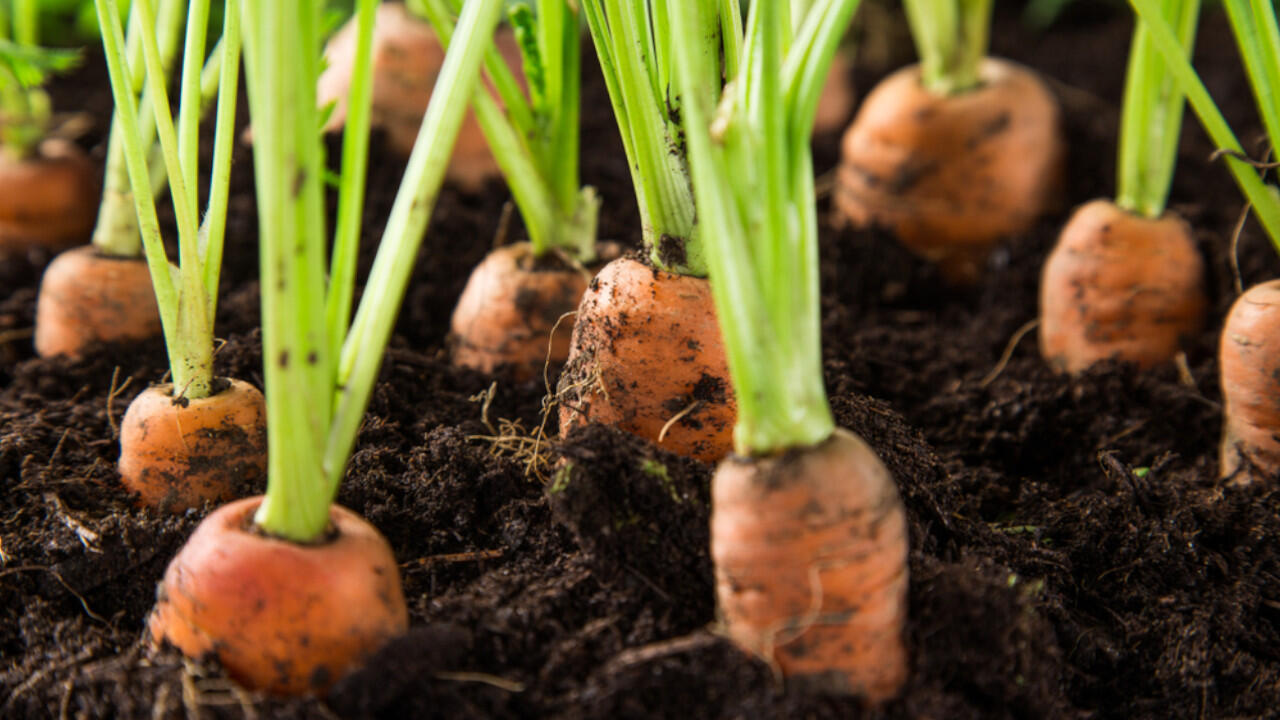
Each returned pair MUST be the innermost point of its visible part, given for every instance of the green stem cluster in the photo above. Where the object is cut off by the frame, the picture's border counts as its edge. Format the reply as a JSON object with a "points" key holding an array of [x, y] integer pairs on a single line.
{"points": [[535, 139], [320, 371], [951, 38], [1151, 119], [187, 299], [638, 58], [753, 179], [1254, 25]]}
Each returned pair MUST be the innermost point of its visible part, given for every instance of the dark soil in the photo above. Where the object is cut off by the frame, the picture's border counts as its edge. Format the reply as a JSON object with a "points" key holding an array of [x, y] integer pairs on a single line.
{"points": [[1073, 553]]}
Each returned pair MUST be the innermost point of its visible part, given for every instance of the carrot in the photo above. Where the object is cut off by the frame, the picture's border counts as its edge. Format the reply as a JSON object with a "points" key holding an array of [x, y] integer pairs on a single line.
{"points": [[835, 105], [808, 535], [177, 453], [647, 357], [47, 201], [822, 532], [87, 297], [1249, 366], [289, 591], [407, 57], [951, 175], [511, 305], [1125, 280], [521, 293], [1120, 285], [280, 616]]}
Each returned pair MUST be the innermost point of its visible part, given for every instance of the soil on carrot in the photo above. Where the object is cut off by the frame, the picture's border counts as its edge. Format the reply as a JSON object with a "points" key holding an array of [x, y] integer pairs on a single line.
{"points": [[1073, 553]]}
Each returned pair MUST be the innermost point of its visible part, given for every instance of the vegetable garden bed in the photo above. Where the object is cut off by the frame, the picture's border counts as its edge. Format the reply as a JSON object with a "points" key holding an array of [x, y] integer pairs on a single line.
{"points": [[1073, 553]]}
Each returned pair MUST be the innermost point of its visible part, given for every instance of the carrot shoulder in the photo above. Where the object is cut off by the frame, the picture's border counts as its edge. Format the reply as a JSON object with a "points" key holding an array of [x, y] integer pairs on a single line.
{"points": [[280, 616], [1119, 285], [810, 549], [87, 297], [178, 453], [952, 175], [508, 311], [1249, 363], [647, 357]]}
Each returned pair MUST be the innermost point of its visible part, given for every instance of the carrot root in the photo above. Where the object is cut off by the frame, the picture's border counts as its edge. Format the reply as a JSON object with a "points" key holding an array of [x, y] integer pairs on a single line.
{"points": [[279, 616], [49, 201], [506, 315], [179, 453], [647, 357], [86, 297], [951, 176], [810, 549], [1119, 285], [1249, 363]]}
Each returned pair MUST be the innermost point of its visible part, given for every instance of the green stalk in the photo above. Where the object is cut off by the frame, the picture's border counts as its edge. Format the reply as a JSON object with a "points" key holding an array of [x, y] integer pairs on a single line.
{"points": [[1151, 119], [116, 231], [951, 38], [622, 31], [1264, 199], [358, 368], [753, 179], [213, 234], [355, 163], [315, 397], [26, 22], [189, 112], [540, 160], [296, 355]]}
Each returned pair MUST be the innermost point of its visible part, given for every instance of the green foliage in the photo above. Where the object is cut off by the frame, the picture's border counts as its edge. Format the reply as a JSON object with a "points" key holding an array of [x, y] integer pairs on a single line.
{"points": [[749, 150], [24, 107]]}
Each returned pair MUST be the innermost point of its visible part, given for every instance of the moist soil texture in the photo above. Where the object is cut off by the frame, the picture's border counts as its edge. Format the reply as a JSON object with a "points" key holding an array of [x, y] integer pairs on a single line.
{"points": [[1073, 553]]}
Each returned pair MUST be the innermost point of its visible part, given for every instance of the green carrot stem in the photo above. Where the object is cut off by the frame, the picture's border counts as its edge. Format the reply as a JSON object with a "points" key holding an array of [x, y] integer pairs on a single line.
{"points": [[951, 38], [362, 353], [753, 179], [1262, 197], [623, 35], [355, 163], [1151, 119]]}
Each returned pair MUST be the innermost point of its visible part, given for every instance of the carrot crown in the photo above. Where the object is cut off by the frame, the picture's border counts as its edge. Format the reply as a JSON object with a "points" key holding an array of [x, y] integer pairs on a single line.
{"points": [[1253, 22], [320, 365], [1151, 119], [188, 301], [638, 58], [951, 39], [24, 66], [535, 138], [753, 179]]}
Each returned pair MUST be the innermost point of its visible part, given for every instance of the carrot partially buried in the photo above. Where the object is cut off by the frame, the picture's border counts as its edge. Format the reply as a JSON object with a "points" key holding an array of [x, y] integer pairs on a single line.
{"points": [[47, 201], [1249, 364], [1125, 280], [648, 358], [87, 296], [950, 175], [282, 616], [820, 533], [516, 312], [1120, 285], [177, 452], [808, 535]]}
